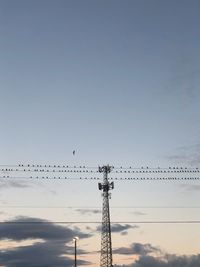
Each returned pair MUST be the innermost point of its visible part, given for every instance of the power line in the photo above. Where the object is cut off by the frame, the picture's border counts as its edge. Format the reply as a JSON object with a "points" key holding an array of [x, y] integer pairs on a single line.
{"points": [[46, 166], [99, 222], [93, 207], [133, 169], [48, 171], [48, 178], [156, 168], [89, 170], [98, 178]]}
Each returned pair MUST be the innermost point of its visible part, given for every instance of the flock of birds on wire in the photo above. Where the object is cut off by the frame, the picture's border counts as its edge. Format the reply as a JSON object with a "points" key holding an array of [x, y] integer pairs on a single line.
{"points": [[59, 170]]}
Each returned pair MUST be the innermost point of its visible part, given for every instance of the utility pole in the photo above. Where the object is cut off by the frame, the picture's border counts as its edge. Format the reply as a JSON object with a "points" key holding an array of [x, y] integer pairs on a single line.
{"points": [[106, 243]]}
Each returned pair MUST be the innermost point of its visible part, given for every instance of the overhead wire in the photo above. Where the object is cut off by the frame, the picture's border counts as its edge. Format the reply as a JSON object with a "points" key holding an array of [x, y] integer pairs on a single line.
{"points": [[68, 166], [99, 222], [99, 178], [47, 170], [96, 207]]}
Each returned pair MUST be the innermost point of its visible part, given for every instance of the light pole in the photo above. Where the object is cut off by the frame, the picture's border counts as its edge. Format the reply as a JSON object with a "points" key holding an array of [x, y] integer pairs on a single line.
{"points": [[75, 252]]}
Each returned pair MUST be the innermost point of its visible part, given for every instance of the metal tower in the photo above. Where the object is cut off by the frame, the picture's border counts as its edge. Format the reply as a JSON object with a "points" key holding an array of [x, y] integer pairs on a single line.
{"points": [[106, 244]]}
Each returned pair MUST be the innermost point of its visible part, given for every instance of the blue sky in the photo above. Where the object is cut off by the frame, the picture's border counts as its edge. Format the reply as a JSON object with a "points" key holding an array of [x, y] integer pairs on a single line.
{"points": [[117, 81], [103, 78]]}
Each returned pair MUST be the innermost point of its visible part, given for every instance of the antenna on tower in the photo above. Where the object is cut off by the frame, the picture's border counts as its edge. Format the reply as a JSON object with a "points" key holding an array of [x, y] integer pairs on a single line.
{"points": [[106, 243]]}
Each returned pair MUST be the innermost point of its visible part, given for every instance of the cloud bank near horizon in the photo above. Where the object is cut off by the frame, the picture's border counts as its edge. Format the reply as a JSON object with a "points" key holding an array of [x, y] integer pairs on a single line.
{"points": [[50, 243]]}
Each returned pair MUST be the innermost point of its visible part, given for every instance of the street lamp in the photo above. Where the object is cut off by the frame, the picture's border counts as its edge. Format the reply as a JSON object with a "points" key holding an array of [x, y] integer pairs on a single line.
{"points": [[75, 252]]}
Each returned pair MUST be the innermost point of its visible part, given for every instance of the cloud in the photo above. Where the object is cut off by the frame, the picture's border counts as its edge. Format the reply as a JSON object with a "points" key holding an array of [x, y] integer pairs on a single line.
{"points": [[23, 228], [184, 79], [116, 228], [45, 254], [88, 211], [191, 187], [124, 233], [16, 184], [119, 228], [139, 213], [51, 251], [168, 261], [187, 155], [137, 249], [150, 256], [10, 183]]}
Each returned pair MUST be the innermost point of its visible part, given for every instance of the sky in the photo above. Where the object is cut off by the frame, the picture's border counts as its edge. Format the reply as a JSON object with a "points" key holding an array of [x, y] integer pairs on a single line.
{"points": [[118, 82]]}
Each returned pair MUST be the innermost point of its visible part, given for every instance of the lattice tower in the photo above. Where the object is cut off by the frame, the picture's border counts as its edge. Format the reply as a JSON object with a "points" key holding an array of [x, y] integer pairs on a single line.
{"points": [[106, 243]]}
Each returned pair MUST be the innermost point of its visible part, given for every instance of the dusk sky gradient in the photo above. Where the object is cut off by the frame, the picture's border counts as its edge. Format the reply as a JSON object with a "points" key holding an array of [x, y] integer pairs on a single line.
{"points": [[118, 82]]}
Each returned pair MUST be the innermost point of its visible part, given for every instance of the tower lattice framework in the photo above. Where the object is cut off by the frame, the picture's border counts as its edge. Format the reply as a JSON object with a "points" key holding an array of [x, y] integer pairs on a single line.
{"points": [[106, 242]]}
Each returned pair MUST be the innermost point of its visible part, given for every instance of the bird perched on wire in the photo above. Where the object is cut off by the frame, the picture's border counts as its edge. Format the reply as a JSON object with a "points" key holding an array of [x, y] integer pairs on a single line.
{"points": [[73, 152]]}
